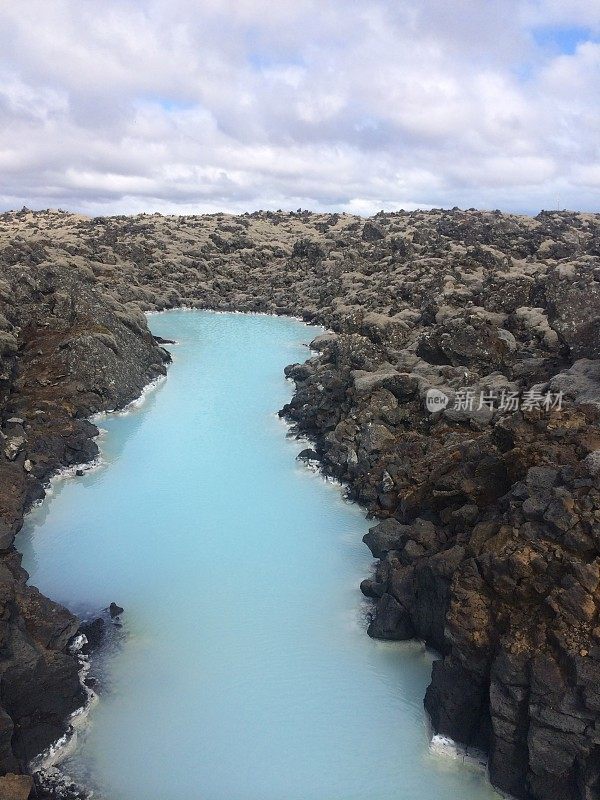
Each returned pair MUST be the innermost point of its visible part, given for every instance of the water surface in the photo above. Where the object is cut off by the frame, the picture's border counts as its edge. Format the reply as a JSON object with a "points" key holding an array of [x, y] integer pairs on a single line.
{"points": [[244, 671]]}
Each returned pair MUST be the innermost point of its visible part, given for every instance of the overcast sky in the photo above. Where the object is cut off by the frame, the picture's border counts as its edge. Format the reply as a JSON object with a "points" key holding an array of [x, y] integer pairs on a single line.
{"points": [[116, 106]]}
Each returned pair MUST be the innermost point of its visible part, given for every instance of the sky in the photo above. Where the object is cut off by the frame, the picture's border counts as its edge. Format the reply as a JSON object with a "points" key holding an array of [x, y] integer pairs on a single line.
{"points": [[194, 106]]}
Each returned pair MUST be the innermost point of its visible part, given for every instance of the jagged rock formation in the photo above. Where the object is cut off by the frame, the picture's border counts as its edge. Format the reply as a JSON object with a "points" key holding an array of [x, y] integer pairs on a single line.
{"points": [[66, 351], [489, 544]]}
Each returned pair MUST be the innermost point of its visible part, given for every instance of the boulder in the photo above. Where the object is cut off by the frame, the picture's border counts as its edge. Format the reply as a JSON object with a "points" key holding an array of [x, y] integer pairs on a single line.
{"points": [[114, 610], [575, 302], [385, 536], [15, 787], [580, 383], [391, 620], [372, 232]]}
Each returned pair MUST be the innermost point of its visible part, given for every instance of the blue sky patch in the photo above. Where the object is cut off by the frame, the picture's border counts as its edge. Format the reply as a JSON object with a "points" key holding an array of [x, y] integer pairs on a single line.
{"points": [[561, 39]]}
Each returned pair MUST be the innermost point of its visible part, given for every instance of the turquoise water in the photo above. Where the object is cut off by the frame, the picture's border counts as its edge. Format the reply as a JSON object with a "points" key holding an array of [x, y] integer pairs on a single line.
{"points": [[243, 671]]}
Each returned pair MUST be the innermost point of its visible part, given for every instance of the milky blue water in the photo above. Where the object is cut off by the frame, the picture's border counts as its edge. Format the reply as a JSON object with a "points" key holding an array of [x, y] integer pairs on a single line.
{"points": [[244, 671]]}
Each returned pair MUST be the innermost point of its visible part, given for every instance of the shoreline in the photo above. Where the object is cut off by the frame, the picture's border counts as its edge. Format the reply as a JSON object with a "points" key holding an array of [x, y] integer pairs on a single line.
{"points": [[46, 767], [441, 746], [446, 299]]}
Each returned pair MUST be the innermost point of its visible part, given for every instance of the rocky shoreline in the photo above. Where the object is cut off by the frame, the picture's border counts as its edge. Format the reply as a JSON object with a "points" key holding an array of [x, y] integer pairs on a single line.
{"points": [[67, 352], [489, 541]]}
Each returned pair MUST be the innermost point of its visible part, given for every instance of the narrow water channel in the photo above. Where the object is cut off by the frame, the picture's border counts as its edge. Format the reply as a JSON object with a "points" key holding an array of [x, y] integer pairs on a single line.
{"points": [[243, 670]]}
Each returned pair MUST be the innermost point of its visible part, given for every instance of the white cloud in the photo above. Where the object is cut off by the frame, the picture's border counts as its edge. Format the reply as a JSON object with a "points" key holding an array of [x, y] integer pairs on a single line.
{"points": [[127, 105], [575, 13]]}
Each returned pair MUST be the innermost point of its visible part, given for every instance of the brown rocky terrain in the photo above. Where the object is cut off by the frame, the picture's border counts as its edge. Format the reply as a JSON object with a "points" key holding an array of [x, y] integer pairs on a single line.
{"points": [[66, 351], [488, 546]]}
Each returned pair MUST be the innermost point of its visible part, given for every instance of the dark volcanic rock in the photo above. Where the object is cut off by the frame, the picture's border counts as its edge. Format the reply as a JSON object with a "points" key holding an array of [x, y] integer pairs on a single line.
{"points": [[114, 610], [15, 787], [94, 632], [387, 535], [67, 349], [52, 784], [372, 232], [488, 544]]}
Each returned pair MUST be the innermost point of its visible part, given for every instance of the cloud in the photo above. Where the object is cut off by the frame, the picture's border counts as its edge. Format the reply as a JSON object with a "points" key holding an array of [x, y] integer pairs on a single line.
{"points": [[182, 105]]}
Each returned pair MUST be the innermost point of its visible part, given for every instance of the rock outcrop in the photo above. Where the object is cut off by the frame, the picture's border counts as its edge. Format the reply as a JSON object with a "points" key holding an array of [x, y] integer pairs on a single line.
{"points": [[488, 539], [67, 351]]}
